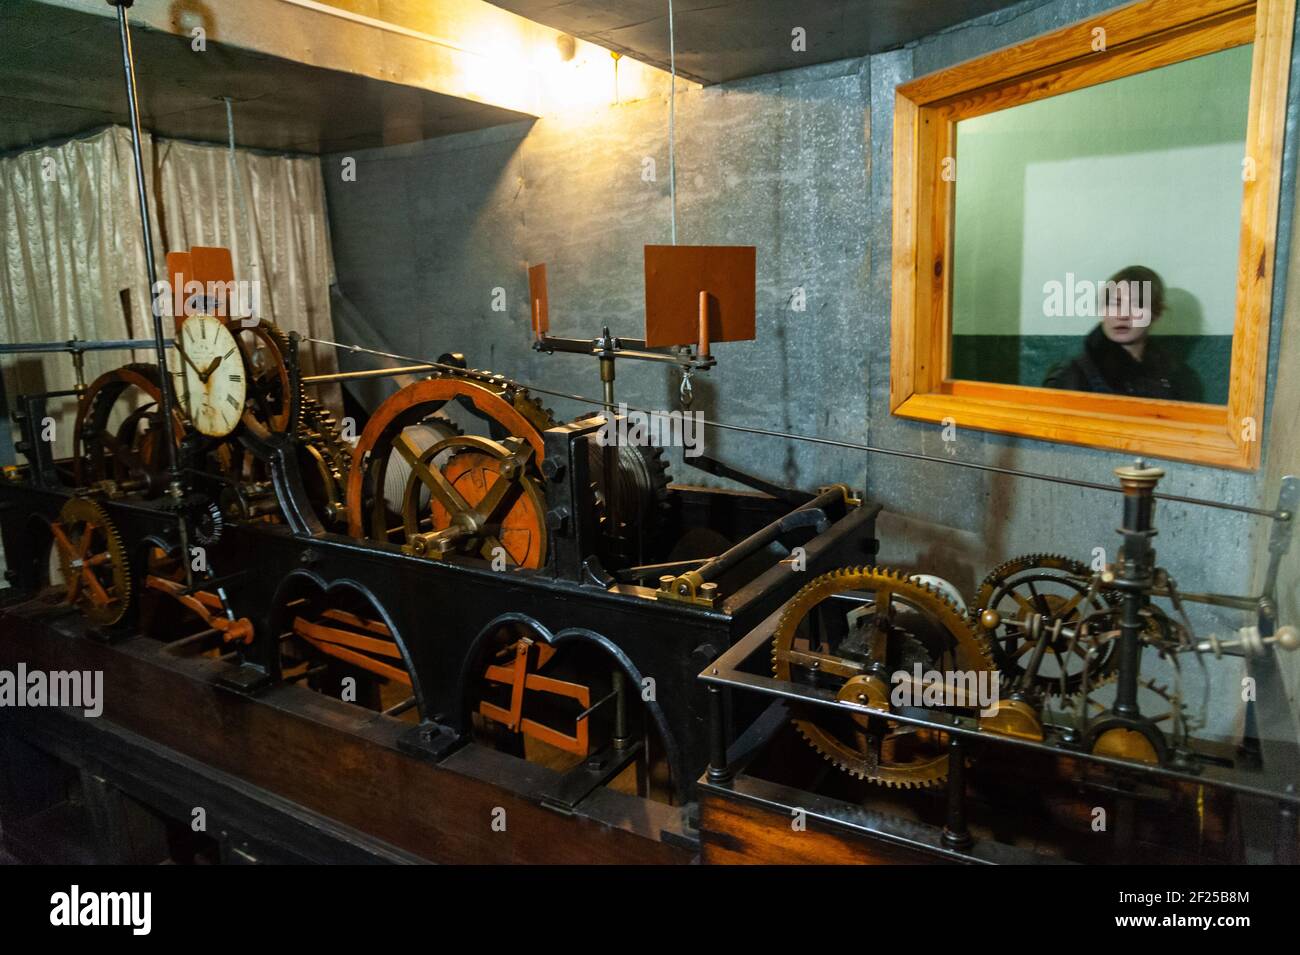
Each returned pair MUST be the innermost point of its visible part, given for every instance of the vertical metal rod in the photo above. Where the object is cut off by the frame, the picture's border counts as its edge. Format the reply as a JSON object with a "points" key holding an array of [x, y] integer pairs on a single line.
{"points": [[672, 121], [160, 341], [620, 710], [718, 770], [956, 835], [1134, 579]]}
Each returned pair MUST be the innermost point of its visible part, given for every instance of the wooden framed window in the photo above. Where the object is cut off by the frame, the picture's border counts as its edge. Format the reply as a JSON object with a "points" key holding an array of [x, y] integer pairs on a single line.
{"points": [[998, 237]]}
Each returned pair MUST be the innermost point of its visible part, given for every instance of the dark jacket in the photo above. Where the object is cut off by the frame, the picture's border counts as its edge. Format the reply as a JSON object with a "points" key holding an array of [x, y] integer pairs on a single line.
{"points": [[1108, 368]]}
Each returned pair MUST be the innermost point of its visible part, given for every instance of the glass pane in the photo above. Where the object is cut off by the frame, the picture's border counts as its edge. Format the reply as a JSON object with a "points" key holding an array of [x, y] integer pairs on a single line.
{"points": [[1096, 235]]}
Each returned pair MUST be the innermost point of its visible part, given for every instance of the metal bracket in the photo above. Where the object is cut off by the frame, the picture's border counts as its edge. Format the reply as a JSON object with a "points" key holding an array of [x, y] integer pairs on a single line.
{"points": [[688, 588]]}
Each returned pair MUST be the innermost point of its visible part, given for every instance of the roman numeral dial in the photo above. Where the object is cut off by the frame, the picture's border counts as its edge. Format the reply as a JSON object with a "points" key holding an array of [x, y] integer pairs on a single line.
{"points": [[213, 380]]}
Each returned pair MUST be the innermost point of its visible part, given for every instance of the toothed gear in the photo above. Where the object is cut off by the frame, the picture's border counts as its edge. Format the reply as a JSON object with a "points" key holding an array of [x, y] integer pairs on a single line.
{"points": [[640, 488], [1175, 730], [1033, 583], [262, 398], [909, 757], [93, 559], [318, 427], [130, 452]]}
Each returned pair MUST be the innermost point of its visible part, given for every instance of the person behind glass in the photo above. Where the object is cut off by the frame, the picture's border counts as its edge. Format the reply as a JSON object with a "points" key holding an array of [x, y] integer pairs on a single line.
{"points": [[1120, 357]]}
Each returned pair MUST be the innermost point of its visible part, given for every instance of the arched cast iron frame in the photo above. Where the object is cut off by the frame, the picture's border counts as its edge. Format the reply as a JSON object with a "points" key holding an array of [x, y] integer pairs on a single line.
{"points": [[282, 592], [573, 635]]}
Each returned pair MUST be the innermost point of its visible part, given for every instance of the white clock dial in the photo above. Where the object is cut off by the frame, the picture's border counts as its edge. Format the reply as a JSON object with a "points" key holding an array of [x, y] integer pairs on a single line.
{"points": [[215, 382]]}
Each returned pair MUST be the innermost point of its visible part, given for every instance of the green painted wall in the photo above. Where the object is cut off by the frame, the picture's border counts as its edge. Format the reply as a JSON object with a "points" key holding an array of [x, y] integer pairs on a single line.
{"points": [[1094, 180]]}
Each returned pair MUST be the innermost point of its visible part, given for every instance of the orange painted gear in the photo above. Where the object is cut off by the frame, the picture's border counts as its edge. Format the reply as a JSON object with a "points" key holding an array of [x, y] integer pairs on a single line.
{"points": [[495, 397], [473, 472], [99, 455], [93, 559]]}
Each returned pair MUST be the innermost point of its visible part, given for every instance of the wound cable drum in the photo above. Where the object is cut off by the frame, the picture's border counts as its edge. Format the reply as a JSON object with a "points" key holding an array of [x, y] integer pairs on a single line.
{"points": [[424, 436]]}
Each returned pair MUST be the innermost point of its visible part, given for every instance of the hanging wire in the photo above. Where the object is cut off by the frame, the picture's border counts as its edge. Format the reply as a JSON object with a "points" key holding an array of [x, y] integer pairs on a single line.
{"points": [[672, 121], [815, 439]]}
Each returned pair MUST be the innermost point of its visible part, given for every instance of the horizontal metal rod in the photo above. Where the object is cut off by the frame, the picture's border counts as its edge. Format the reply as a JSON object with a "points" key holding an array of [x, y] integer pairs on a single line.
{"points": [[177, 645], [368, 373], [849, 445], [634, 349], [74, 346], [400, 708], [811, 514], [650, 570]]}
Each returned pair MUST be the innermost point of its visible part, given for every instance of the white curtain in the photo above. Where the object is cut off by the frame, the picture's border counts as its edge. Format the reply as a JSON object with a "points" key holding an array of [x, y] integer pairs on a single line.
{"points": [[72, 246]]}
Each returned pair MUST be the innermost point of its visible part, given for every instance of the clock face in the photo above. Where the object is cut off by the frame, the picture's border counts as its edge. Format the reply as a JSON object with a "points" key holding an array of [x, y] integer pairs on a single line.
{"points": [[215, 383]]}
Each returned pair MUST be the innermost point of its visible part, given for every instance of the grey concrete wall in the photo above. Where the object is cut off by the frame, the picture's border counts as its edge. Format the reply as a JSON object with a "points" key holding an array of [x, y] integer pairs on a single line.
{"points": [[789, 163]]}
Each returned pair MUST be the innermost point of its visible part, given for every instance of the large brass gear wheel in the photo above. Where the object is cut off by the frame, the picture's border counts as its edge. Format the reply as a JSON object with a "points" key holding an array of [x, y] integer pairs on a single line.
{"points": [[1057, 589], [895, 622], [93, 560]]}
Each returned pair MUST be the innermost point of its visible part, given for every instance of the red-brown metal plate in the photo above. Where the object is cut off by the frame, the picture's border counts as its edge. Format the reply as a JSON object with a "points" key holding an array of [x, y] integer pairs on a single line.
{"points": [[203, 264], [675, 275]]}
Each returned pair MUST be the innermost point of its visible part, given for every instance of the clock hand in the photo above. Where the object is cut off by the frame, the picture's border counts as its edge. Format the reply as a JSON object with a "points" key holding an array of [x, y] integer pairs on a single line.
{"points": [[202, 377], [216, 363]]}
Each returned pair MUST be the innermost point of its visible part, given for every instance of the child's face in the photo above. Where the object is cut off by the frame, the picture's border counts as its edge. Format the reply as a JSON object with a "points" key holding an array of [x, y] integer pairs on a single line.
{"points": [[1126, 317]]}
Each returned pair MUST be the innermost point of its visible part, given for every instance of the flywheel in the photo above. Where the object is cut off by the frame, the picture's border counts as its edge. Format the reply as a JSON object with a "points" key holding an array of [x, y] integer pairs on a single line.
{"points": [[509, 410], [467, 490], [93, 560], [1057, 589], [848, 631], [118, 435]]}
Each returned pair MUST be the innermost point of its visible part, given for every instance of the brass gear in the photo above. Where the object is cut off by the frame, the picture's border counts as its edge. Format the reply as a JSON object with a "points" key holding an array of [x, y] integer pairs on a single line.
{"points": [[1007, 580], [909, 757], [324, 458], [1177, 722], [93, 559]]}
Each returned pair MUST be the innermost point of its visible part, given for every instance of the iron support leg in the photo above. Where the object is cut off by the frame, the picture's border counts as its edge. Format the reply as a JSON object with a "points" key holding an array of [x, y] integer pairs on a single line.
{"points": [[955, 833], [719, 772]]}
